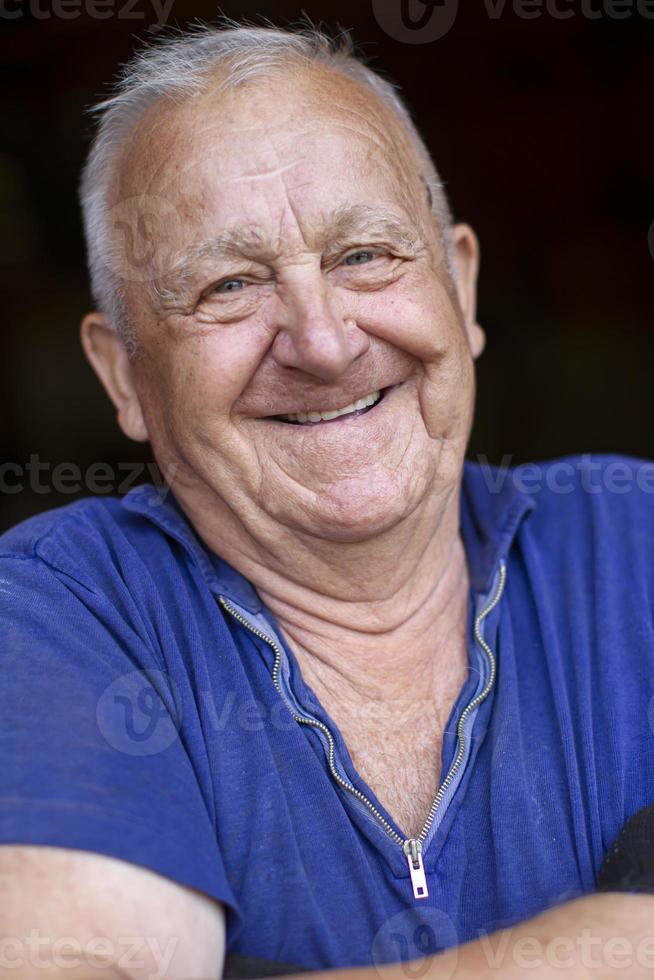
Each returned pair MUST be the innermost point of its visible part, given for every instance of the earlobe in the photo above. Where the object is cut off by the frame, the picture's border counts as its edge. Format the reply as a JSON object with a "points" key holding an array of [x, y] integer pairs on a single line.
{"points": [[466, 267], [477, 338], [110, 361]]}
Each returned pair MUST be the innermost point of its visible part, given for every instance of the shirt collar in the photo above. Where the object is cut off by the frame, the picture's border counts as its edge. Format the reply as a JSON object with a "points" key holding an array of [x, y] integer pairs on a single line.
{"points": [[491, 511], [166, 514]]}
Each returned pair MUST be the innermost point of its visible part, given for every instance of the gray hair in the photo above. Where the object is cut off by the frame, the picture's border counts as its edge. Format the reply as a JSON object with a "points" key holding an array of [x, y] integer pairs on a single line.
{"points": [[176, 68]]}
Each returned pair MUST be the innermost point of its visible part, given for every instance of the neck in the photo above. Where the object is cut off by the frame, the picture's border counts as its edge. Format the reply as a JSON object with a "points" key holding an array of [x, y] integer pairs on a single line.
{"points": [[408, 645], [384, 616]]}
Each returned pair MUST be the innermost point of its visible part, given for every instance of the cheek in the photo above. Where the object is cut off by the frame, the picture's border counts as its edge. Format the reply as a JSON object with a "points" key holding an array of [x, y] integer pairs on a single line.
{"points": [[217, 364], [419, 320], [206, 369]]}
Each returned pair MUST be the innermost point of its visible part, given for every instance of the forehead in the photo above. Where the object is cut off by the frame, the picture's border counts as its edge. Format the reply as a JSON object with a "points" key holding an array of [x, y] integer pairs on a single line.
{"points": [[301, 144]]}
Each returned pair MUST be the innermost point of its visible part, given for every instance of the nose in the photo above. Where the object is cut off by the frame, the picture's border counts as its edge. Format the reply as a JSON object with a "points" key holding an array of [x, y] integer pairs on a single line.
{"points": [[314, 336]]}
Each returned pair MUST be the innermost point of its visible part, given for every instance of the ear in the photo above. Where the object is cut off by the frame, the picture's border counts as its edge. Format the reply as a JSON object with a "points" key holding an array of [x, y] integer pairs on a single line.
{"points": [[466, 267], [110, 361]]}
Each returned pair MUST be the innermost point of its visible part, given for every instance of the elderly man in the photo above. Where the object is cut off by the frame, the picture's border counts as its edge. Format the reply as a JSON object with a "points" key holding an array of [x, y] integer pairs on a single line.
{"points": [[333, 698]]}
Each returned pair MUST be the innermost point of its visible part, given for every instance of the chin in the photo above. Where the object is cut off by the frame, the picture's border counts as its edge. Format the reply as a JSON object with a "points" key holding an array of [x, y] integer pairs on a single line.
{"points": [[353, 512]]}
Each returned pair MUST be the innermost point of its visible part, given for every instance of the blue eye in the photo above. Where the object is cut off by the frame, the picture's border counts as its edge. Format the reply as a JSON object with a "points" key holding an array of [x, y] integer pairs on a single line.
{"points": [[359, 258], [229, 286]]}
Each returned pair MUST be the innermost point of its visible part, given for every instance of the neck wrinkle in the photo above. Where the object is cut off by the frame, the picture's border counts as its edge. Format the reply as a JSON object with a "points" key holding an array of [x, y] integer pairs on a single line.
{"points": [[415, 567], [414, 658]]}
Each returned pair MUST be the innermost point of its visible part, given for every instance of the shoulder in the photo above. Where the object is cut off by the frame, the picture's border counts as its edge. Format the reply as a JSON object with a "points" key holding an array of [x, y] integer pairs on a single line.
{"points": [[94, 541], [126, 572], [97, 569], [26, 539], [589, 537], [611, 489], [579, 515], [599, 500]]}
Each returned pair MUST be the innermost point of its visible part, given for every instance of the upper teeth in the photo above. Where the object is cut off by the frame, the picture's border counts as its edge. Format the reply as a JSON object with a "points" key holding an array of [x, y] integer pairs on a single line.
{"points": [[326, 416]]}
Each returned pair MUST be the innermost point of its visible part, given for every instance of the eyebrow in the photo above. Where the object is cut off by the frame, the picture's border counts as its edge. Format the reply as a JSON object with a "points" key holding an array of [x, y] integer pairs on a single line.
{"points": [[343, 226]]}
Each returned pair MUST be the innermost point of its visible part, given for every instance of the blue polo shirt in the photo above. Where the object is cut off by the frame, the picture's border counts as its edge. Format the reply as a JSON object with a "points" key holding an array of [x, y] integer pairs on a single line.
{"points": [[150, 710]]}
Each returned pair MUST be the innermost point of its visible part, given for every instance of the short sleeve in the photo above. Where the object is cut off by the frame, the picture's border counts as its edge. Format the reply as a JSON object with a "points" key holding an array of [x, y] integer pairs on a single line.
{"points": [[91, 735]]}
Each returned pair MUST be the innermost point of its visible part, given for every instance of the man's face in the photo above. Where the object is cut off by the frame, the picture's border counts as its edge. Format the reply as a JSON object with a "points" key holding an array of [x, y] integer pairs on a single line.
{"points": [[301, 272]]}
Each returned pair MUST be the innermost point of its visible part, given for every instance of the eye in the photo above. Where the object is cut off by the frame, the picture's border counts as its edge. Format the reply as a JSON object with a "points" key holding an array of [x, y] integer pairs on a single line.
{"points": [[361, 257], [229, 286]]}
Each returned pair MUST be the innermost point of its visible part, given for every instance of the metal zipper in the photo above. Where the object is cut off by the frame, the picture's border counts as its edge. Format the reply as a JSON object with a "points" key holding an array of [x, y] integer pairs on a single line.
{"points": [[412, 846]]}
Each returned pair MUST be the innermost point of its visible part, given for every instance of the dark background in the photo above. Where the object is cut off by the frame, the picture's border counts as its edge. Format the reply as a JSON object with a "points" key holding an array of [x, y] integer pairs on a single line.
{"points": [[540, 128]]}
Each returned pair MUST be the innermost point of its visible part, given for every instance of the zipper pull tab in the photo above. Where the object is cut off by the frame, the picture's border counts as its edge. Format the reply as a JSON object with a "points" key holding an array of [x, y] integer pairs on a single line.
{"points": [[413, 850]]}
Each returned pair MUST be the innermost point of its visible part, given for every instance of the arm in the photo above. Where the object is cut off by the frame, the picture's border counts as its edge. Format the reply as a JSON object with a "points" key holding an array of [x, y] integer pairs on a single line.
{"points": [[66, 913], [69, 915], [136, 875], [597, 937]]}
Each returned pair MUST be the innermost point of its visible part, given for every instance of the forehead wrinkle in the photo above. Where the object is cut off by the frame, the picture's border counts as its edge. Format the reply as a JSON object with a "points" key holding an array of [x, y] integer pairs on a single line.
{"points": [[375, 129], [144, 158], [396, 157], [263, 175]]}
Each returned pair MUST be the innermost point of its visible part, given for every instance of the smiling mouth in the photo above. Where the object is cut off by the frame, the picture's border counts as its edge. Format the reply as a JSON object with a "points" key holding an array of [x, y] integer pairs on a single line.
{"points": [[360, 407]]}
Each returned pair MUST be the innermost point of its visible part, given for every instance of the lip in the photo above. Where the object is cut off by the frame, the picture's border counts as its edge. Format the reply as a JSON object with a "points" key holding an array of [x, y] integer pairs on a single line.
{"points": [[351, 416], [329, 405]]}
